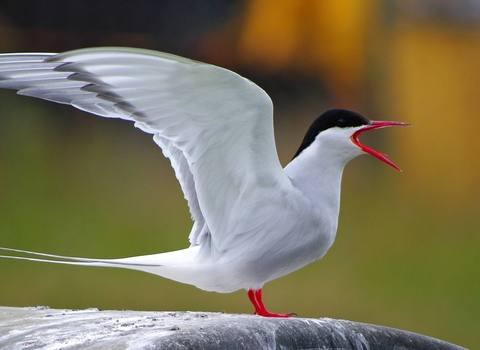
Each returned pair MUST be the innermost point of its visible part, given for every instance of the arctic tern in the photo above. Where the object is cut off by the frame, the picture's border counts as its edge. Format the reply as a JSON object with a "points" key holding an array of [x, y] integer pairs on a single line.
{"points": [[254, 221]]}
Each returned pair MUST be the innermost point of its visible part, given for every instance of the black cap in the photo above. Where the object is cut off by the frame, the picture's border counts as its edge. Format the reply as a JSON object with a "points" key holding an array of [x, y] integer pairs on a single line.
{"points": [[339, 118]]}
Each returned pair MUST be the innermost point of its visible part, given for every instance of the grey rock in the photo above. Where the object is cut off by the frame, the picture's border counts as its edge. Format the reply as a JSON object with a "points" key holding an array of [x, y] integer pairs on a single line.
{"points": [[44, 328]]}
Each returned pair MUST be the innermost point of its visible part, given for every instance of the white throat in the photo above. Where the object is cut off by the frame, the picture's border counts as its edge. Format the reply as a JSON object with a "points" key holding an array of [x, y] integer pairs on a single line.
{"points": [[317, 170]]}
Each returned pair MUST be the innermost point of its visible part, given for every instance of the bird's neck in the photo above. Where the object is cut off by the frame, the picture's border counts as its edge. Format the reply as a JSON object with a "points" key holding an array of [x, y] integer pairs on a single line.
{"points": [[318, 176]]}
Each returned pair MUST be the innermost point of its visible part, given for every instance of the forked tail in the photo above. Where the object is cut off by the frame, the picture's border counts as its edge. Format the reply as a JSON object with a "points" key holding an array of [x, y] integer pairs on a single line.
{"points": [[147, 263]]}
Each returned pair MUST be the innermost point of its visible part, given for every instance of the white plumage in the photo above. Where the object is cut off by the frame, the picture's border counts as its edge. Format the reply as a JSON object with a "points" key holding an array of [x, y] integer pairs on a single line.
{"points": [[253, 220]]}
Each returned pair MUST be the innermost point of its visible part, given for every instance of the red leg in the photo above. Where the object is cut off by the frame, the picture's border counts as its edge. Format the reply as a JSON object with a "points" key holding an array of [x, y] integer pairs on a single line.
{"points": [[251, 296], [255, 297]]}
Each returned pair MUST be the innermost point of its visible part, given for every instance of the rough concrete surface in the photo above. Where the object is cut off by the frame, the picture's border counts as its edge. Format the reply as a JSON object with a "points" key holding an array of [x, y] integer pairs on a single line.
{"points": [[45, 328]]}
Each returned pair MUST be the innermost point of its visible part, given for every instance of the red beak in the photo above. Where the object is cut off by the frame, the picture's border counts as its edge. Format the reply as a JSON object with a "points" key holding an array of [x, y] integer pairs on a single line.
{"points": [[372, 126]]}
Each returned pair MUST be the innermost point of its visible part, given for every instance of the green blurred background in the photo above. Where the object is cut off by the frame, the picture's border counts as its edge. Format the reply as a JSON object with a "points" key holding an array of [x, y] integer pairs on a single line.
{"points": [[408, 246]]}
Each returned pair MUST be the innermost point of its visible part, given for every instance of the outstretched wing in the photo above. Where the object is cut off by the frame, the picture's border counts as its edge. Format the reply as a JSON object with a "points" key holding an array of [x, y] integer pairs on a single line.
{"points": [[214, 125]]}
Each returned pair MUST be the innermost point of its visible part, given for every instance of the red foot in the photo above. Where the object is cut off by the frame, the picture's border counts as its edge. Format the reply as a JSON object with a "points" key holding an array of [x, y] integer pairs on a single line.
{"points": [[255, 297]]}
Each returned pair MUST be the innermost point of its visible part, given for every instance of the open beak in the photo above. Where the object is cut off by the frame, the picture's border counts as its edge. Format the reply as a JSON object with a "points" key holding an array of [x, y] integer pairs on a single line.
{"points": [[372, 126]]}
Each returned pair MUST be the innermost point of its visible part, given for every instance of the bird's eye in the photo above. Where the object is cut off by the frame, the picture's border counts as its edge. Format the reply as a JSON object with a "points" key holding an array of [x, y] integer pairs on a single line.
{"points": [[341, 122]]}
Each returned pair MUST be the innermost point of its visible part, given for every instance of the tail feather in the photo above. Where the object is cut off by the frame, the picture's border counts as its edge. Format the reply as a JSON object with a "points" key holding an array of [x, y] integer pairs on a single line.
{"points": [[92, 263], [180, 265], [175, 258], [46, 255], [70, 260]]}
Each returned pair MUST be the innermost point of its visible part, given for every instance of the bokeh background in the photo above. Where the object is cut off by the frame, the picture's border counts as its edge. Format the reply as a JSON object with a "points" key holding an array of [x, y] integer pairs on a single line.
{"points": [[407, 251]]}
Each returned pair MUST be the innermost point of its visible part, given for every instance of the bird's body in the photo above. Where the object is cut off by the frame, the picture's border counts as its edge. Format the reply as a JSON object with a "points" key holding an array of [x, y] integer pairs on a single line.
{"points": [[253, 220]]}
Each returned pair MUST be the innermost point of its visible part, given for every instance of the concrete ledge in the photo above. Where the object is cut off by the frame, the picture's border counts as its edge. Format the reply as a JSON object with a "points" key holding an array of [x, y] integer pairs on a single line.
{"points": [[44, 328]]}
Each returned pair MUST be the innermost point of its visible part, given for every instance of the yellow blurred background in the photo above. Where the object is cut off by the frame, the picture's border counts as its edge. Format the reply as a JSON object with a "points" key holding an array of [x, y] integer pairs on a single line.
{"points": [[407, 252]]}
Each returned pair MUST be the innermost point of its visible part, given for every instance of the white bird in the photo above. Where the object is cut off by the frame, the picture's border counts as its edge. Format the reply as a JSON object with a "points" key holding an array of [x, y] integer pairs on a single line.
{"points": [[254, 221]]}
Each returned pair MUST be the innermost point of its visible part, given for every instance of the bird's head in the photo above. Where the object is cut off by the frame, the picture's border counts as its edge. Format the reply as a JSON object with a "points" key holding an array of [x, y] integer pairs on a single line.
{"points": [[339, 130]]}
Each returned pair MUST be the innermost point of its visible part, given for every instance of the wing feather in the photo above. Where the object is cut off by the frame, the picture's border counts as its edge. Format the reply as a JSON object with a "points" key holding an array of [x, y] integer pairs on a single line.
{"points": [[214, 125]]}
